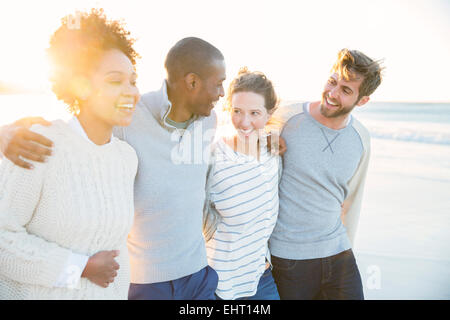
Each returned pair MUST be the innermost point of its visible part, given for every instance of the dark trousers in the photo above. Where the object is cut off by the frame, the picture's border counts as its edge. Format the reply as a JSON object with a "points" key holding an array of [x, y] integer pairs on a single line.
{"points": [[331, 278], [198, 286]]}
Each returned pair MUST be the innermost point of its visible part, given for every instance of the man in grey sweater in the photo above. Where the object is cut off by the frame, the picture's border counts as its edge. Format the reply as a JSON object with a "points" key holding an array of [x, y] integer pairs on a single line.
{"points": [[166, 244], [321, 187]]}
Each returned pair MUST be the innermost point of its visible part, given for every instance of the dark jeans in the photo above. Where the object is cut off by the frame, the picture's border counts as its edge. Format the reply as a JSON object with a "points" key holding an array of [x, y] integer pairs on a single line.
{"points": [[331, 278], [198, 286]]}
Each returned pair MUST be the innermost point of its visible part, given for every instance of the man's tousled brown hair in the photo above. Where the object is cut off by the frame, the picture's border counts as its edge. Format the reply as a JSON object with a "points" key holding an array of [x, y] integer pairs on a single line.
{"points": [[353, 64]]}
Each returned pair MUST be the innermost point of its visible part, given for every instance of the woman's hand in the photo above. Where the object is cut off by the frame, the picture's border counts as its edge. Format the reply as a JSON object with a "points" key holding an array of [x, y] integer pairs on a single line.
{"points": [[101, 268]]}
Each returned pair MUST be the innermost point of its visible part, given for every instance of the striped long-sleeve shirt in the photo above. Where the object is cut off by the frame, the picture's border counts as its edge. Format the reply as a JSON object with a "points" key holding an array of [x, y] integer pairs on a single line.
{"points": [[244, 193]]}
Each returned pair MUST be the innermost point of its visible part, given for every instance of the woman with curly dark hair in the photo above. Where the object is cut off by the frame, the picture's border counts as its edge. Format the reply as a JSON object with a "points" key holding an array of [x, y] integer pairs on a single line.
{"points": [[64, 225]]}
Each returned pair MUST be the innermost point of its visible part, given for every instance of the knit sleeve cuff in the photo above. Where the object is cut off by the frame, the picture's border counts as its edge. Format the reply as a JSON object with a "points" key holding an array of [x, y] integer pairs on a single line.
{"points": [[71, 274]]}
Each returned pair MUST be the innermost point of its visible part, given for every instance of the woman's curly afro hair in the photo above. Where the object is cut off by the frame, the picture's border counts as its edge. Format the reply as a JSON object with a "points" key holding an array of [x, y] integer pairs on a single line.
{"points": [[76, 48]]}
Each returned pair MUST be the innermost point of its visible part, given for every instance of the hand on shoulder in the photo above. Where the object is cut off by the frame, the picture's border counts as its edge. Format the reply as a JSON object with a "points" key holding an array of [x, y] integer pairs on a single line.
{"points": [[19, 143]]}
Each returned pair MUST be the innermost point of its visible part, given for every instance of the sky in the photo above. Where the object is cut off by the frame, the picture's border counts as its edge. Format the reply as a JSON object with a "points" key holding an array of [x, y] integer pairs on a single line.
{"points": [[293, 42]]}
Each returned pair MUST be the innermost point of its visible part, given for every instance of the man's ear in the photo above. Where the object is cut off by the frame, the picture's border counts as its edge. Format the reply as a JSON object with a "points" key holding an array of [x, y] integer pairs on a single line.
{"points": [[363, 101], [191, 81]]}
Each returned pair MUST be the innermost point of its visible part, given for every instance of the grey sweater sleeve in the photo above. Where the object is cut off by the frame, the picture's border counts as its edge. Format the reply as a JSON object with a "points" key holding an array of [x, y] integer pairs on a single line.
{"points": [[210, 215]]}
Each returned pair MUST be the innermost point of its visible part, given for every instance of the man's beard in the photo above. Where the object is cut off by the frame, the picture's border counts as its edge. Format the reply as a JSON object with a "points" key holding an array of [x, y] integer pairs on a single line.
{"points": [[336, 113], [340, 112]]}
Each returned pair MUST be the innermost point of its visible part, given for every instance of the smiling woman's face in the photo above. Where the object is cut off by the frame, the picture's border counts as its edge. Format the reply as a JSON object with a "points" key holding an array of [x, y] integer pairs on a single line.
{"points": [[112, 93], [248, 113]]}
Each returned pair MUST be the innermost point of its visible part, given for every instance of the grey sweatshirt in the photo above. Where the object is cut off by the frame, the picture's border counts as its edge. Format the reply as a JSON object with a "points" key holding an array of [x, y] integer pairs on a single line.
{"points": [[166, 240], [319, 170]]}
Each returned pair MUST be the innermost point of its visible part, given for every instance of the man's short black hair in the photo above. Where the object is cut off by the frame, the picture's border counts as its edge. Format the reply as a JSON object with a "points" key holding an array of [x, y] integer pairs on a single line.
{"points": [[191, 55]]}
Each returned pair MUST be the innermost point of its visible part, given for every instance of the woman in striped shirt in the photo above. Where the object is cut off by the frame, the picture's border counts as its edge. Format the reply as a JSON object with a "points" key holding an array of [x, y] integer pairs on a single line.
{"points": [[242, 194]]}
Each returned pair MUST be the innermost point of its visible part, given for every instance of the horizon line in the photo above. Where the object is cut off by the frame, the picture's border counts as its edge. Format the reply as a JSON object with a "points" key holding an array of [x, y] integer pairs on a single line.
{"points": [[20, 91], [383, 101]]}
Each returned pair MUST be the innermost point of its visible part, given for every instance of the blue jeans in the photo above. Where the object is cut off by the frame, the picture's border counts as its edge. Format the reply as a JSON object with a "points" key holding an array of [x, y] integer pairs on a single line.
{"points": [[331, 278], [197, 286], [267, 289]]}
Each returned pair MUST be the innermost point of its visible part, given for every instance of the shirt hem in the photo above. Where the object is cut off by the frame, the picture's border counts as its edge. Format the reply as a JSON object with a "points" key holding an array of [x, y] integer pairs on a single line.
{"points": [[314, 250], [159, 273]]}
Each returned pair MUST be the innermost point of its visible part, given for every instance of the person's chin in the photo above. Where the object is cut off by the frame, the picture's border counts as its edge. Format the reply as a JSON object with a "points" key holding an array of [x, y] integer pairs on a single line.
{"points": [[250, 136], [124, 121], [327, 112], [123, 116], [206, 112]]}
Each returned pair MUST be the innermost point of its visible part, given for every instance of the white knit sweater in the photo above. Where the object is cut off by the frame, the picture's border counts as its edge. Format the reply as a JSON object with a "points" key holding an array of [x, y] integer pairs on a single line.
{"points": [[80, 201]]}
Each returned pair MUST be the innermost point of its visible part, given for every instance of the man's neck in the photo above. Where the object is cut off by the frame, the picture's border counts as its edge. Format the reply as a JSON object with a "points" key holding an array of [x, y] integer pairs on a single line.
{"points": [[332, 123], [179, 111], [97, 131]]}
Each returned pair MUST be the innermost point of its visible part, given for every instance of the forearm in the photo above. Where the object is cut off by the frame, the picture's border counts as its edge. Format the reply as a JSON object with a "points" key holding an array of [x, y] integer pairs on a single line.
{"points": [[351, 207], [282, 115], [29, 259], [25, 257], [72, 271]]}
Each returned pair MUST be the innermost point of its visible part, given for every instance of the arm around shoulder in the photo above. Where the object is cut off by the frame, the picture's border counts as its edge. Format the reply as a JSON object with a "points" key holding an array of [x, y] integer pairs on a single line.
{"points": [[17, 142], [282, 115]]}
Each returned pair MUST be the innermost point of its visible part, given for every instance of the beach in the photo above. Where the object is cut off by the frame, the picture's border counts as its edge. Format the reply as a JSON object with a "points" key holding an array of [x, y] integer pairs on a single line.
{"points": [[403, 234], [402, 244]]}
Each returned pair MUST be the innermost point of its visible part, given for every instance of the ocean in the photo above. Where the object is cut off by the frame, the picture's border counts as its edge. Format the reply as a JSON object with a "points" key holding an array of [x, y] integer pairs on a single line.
{"points": [[403, 241], [418, 122], [403, 235], [427, 123]]}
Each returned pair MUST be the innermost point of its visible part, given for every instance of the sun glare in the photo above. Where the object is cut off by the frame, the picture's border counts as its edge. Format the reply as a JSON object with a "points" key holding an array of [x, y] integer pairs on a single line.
{"points": [[294, 43]]}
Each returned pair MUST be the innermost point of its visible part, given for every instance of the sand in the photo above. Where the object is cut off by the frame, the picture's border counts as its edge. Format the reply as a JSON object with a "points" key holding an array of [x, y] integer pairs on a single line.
{"points": [[404, 231]]}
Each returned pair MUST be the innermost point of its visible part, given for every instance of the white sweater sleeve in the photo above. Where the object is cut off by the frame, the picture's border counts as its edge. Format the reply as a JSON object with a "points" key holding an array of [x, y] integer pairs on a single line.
{"points": [[353, 202], [71, 274], [25, 257]]}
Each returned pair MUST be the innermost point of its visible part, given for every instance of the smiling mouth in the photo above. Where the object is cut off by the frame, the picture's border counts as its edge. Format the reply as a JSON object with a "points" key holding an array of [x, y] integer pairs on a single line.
{"points": [[246, 132], [332, 104], [125, 106]]}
